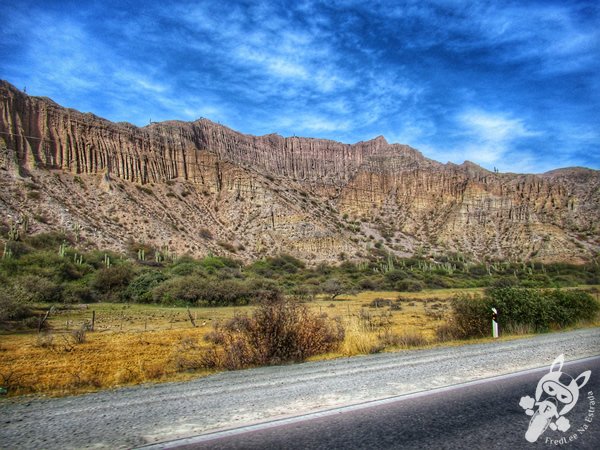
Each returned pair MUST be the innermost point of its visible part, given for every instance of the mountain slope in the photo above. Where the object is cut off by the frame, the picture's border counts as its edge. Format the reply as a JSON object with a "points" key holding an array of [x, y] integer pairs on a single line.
{"points": [[199, 186]]}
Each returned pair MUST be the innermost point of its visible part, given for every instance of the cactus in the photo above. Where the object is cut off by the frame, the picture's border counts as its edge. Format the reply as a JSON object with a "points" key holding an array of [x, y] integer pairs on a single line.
{"points": [[158, 256], [390, 262], [62, 250], [387, 266], [141, 254], [25, 224], [77, 231], [78, 259], [107, 261], [7, 254], [363, 265], [13, 231], [449, 268]]}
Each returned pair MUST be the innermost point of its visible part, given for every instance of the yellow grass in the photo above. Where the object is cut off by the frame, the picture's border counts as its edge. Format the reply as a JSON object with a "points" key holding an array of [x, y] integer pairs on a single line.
{"points": [[135, 344], [54, 365]]}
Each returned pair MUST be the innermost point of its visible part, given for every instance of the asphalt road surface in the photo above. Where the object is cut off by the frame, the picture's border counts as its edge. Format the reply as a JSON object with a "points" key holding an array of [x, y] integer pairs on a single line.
{"points": [[483, 414]]}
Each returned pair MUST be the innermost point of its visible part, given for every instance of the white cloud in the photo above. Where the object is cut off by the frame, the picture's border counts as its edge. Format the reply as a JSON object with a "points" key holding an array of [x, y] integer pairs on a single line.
{"points": [[486, 138], [306, 123], [493, 128], [489, 136]]}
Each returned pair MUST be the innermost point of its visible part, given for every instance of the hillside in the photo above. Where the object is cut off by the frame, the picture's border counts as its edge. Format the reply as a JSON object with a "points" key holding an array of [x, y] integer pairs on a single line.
{"points": [[200, 187]]}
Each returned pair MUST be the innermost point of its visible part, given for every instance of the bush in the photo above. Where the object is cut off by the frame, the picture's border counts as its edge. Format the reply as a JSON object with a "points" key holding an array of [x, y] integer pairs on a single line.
{"points": [[370, 284], [409, 286], [191, 290], [17, 248], [335, 287], [518, 309], [39, 289], [570, 307], [445, 332], [48, 241], [278, 331], [183, 268], [286, 263], [110, 282], [185, 290], [213, 263], [78, 293], [540, 309], [12, 309], [206, 234], [394, 276], [13, 306], [140, 288], [470, 317], [134, 248]]}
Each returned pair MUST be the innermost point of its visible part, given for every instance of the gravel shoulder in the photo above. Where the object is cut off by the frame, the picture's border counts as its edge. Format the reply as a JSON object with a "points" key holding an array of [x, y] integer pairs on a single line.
{"points": [[130, 417]]}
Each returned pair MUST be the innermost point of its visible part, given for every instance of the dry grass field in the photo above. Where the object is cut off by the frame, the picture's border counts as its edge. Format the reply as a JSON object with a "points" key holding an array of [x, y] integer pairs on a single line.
{"points": [[134, 344]]}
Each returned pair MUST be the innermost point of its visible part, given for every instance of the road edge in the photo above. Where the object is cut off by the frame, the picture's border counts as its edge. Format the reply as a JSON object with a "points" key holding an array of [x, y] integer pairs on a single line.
{"points": [[287, 420]]}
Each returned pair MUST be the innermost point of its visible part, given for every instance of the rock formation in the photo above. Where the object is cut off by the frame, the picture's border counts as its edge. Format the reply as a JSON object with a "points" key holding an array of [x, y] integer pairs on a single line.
{"points": [[201, 187]]}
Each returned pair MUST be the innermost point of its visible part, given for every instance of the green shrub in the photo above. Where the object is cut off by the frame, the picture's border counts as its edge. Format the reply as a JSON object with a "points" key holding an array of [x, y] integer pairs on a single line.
{"points": [[520, 309], [77, 293], [261, 290], [394, 276], [213, 264], [16, 248], [184, 268], [285, 264], [570, 307], [542, 309], [520, 306], [39, 289], [191, 290], [409, 286], [185, 290], [110, 282], [337, 286], [48, 241], [370, 284], [14, 307], [140, 288]]}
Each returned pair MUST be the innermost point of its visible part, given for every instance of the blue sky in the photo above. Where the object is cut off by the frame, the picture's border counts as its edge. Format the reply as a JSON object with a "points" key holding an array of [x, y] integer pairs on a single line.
{"points": [[512, 85]]}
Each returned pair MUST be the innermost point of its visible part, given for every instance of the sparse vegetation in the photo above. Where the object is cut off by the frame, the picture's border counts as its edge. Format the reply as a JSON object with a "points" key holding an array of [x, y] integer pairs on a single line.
{"points": [[278, 331], [370, 306]]}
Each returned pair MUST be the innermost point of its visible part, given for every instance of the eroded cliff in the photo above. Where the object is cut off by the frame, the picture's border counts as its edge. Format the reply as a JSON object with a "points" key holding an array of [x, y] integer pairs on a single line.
{"points": [[199, 186]]}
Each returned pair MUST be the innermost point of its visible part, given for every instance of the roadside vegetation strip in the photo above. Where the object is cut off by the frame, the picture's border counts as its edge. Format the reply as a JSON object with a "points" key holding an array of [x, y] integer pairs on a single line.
{"points": [[74, 319], [135, 344], [62, 268]]}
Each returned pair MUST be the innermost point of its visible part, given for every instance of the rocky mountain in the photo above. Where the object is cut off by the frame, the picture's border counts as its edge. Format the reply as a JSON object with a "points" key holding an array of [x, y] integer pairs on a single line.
{"points": [[201, 187]]}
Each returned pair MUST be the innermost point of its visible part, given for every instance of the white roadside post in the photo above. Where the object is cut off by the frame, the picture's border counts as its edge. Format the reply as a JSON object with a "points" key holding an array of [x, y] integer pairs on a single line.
{"points": [[494, 323]]}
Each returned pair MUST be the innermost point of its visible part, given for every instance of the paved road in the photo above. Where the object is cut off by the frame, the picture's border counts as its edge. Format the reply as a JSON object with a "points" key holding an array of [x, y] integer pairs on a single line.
{"points": [[483, 414], [130, 417]]}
